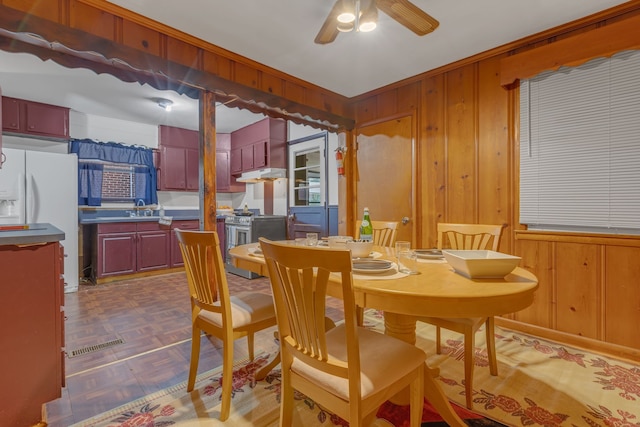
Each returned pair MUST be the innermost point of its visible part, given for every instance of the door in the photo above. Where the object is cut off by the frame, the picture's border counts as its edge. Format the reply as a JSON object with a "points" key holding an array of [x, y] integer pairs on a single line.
{"points": [[308, 186], [386, 162]]}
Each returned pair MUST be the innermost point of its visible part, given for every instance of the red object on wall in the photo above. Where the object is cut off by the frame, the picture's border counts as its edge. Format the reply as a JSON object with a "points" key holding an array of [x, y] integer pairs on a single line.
{"points": [[339, 161]]}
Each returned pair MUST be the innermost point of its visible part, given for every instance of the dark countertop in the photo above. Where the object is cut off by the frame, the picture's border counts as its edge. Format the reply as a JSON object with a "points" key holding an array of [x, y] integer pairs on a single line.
{"points": [[97, 216], [36, 233]]}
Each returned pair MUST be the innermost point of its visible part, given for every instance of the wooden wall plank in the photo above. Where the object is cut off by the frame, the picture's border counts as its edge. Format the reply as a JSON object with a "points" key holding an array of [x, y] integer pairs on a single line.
{"points": [[622, 296], [577, 293], [537, 257], [431, 137], [494, 161], [461, 145], [142, 38], [92, 20]]}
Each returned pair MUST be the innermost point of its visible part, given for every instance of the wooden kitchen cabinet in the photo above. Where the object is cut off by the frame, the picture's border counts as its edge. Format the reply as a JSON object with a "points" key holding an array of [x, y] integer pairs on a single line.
{"points": [[28, 118], [178, 159], [176, 255], [260, 145], [31, 331], [132, 247], [225, 181]]}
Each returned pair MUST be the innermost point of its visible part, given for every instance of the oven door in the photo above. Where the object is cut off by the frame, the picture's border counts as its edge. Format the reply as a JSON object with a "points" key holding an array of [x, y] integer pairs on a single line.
{"points": [[236, 235]]}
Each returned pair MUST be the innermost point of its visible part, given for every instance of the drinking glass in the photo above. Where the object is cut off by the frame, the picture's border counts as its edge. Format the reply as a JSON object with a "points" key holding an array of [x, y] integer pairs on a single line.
{"points": [[407, 262], [312, 239], [407, 259], [402, 246]]}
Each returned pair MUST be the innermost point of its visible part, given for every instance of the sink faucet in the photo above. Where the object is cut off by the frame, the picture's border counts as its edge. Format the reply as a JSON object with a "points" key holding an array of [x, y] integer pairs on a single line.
{"points": [[139, 203]]}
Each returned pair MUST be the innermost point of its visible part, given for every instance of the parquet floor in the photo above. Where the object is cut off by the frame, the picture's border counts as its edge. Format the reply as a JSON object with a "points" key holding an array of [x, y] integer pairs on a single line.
{"points": [[152, 316]]}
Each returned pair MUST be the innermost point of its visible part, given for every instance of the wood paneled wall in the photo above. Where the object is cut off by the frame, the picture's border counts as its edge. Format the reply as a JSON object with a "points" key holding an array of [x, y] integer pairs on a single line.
{"points": [[469, 172]]}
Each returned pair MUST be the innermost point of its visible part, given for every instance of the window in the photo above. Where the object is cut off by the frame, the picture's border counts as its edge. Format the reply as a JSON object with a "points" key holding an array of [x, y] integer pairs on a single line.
{"points": [[580, 147], [307, 166], [118, 183]]}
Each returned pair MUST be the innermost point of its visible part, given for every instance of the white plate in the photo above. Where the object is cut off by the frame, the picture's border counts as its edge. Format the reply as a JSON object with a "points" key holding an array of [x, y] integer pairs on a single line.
{"points": [[372, 266], [429, 253], [372, 255]]}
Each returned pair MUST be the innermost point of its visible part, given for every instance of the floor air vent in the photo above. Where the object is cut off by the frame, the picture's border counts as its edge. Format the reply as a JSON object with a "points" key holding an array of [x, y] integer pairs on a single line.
{"points": [[94, 348]]}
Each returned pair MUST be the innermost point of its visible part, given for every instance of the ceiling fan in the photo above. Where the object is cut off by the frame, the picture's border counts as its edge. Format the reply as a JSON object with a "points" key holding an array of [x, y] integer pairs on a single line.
{"points": [[361, 15]]}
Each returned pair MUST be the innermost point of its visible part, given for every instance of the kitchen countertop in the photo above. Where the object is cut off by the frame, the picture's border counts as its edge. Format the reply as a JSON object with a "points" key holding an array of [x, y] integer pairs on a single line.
{"points": [[110, 216], [36, 233]]}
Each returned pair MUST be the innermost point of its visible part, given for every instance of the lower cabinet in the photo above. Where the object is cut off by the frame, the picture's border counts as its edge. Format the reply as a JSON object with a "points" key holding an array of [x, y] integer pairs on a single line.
{"points": [[176, 255], [127, 248], [31, 331]]}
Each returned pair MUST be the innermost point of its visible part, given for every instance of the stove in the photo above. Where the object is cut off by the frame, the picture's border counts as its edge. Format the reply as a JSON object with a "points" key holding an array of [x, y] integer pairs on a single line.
{"points": [[243, 229]]}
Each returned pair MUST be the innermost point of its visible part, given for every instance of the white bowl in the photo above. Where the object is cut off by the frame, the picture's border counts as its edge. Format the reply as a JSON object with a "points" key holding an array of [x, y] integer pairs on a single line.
{"points": [[338, 241], [481, 264], [359, 248]]}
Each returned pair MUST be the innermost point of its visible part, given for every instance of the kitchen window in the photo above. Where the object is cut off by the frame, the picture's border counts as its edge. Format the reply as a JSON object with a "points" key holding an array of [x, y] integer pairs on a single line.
{"points": [[580, 147]]}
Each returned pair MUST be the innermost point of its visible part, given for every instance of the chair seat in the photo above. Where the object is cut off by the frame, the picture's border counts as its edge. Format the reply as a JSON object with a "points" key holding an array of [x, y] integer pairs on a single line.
{"points": [[247, 308], [383, 359]]}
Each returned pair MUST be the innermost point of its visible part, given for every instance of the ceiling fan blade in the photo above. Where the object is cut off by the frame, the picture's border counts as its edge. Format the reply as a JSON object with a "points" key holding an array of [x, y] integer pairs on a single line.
{"points": [[409, 15], [329, 30]]}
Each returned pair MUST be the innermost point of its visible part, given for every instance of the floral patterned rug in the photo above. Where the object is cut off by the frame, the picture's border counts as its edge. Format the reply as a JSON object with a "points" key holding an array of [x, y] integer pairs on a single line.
{"points": [[539, 383]]}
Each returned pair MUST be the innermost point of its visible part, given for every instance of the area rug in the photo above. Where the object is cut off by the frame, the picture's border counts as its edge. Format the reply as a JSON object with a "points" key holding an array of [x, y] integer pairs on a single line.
{"points": [[254, 403], [539, 383]]}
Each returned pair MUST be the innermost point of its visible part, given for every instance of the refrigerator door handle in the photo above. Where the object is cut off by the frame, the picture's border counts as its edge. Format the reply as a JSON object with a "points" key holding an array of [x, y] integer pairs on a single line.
{"points": [[33, 199], [21, 200]]}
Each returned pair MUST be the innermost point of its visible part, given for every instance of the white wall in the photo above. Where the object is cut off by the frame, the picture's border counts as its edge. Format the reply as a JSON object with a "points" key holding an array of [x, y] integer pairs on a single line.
{"points": [[105, 129]]}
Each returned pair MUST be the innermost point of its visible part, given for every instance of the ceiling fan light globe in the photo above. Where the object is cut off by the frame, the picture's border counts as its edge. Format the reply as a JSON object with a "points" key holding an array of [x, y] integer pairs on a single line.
{"points": [[345, 27], [346, 17], [365, 27]]}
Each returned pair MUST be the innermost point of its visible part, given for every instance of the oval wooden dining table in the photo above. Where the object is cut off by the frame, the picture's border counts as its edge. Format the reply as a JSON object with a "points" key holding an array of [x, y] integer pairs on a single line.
{"points": [[437, 291]]}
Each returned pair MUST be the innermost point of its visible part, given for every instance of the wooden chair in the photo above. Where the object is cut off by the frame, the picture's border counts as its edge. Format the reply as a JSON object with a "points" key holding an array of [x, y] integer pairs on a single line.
{"points": [[384, 232], [468, 236], [216, 312], [348, 370]]}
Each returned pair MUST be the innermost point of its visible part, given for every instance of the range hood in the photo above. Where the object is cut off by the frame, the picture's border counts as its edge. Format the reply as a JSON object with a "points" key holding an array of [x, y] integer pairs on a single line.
{"points": [[260, 175]]}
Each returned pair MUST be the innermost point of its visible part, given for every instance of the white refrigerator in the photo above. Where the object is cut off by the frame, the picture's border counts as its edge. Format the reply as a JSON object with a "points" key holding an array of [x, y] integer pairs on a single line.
{"points": [[41, 187]]}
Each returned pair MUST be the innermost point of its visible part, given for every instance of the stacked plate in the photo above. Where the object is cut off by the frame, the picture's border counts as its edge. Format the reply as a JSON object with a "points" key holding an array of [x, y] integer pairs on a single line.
{"points": [[371, 265], [429, 253]]}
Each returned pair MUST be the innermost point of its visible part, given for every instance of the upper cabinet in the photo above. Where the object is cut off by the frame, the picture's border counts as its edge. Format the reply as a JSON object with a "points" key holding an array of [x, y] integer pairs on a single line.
{"points": [[28, 118], [260, 145], [225, 182], [178, 159]]}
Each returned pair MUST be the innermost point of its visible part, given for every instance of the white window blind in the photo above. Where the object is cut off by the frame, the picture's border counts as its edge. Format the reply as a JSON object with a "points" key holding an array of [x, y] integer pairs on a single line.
{"points": [[580, 147]]}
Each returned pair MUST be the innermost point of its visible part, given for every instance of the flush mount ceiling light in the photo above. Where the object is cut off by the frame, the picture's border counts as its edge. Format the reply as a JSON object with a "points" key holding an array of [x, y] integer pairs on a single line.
{"points": [[164, 103]]}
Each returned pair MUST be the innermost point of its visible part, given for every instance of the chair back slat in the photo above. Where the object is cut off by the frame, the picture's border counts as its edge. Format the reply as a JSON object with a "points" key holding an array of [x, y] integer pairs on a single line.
{"points": [[469, 236], [299, 278], [384, 232], [204, 268]]}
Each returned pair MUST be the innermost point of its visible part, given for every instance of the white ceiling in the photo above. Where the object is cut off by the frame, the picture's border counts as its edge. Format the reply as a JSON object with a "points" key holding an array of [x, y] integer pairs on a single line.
{"points": [[279, 34]]}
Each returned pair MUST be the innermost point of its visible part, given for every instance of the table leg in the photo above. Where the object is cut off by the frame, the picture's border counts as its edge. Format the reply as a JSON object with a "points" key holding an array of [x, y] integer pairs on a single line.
{"points": [[404, 328]]}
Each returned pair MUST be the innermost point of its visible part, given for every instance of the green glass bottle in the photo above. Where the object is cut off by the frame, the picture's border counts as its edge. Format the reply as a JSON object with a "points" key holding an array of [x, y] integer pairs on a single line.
{"points": [[366, 229]]}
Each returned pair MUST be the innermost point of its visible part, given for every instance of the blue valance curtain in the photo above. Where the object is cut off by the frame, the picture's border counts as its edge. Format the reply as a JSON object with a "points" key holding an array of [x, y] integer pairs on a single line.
{"points": [[93, 155]]}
